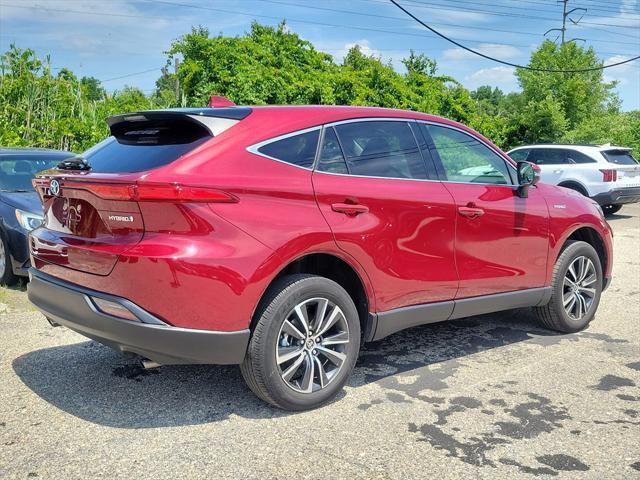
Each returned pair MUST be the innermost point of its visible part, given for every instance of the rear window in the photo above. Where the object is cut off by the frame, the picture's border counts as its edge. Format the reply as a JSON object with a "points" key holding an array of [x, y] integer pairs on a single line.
{"points": [[621, 157], [137, 146], [16, 172]]}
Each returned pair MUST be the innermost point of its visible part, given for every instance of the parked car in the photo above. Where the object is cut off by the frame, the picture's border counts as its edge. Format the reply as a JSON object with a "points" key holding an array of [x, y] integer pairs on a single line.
{"points": [[606, 173], [20, 206], [280, 238]]}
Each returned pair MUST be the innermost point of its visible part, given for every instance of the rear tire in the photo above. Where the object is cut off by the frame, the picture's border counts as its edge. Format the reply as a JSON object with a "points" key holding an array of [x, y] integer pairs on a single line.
{"points": [[577, 285], [611, 209], [304, 344], [7, 276]]}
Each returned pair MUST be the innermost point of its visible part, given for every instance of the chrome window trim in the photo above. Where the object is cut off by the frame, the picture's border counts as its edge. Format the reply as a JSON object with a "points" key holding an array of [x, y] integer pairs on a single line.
{"points": [[254, 149], [378, 178], [256, 146]]}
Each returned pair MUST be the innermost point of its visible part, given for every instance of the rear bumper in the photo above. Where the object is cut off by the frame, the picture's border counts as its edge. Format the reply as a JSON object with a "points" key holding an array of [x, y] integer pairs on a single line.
{"points": [[618, 196], [71, 305]]}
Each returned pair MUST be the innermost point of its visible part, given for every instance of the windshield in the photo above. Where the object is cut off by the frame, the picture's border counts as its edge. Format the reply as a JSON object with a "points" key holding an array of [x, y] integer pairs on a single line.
{"points": [[16, 172]]}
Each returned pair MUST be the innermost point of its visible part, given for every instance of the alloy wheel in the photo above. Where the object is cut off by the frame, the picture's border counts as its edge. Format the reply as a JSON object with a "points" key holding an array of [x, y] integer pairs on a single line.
{"points": [[312, 343], [578, 288]]}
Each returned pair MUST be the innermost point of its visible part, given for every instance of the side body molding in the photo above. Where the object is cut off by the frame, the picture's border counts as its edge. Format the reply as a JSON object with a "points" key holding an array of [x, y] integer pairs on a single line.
{"points": [[401, 318]]}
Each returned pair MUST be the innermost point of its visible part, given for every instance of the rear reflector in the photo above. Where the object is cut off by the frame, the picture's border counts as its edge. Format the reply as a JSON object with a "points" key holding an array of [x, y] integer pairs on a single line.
{"points": [[142, 192], [609, 175], [114, 309]]}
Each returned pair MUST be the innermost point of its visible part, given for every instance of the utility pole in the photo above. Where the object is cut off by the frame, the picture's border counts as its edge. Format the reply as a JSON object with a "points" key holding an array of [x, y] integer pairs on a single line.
{"points": [[566, 16]]}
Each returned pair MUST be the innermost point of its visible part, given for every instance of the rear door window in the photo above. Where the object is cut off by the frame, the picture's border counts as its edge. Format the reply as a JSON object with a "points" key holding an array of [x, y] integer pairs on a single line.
{"points": [[621, 157], [297, 149], [548, 156], [382, 148], [331, 159], [574, 156]]}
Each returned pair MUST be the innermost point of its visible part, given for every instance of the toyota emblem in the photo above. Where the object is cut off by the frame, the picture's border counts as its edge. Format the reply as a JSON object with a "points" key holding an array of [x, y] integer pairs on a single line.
{"points": [[54, 187]]}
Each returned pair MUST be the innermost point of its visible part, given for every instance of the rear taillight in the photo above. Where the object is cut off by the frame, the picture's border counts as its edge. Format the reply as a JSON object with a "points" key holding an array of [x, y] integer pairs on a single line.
{"points": [[142, 192], [609, 175]]}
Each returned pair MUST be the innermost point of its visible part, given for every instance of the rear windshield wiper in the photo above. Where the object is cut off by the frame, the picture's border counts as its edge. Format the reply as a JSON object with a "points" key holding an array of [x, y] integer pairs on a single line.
{"points": [[75, 163]]}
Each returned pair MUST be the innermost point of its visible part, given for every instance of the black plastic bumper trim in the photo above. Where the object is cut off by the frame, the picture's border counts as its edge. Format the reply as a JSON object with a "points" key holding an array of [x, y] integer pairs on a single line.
{"points": [[69, 305], [618, 196]]}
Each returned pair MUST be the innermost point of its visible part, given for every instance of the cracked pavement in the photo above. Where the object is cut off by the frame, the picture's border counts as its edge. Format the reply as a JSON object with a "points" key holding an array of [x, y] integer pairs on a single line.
{"points": [[493, 396]]}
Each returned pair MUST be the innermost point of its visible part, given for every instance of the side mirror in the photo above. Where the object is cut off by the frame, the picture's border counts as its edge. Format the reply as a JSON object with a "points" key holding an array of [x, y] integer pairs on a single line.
{"points": [[528, 175]]}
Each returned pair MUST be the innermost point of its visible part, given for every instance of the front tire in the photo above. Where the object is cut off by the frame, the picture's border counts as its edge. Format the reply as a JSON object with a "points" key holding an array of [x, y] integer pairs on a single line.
{"points": [[305, 343], [577, 286], [611, 209]]}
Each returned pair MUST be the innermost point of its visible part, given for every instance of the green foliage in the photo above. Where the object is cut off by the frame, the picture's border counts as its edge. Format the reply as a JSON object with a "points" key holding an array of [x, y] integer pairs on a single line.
{"points": [[272, 65], [578, 95], [608, 127], [42, 110]]}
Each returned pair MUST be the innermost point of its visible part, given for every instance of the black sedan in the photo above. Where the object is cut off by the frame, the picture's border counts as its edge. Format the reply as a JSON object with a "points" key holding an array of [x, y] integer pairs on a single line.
{"points": [[20, 206]]}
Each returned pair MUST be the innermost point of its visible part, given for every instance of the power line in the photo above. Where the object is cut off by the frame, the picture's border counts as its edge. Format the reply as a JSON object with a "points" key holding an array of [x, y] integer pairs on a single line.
{"points": [[529, 9], [594, 7], [503, 14], [271, 17], [131, 74], [374, 15], [591, 69]]}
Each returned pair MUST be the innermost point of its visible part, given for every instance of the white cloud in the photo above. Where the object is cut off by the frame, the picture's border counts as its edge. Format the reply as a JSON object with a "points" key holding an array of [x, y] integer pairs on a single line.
{"points": [[502, 77], [623, 74], [495, 50], [365, 47]]}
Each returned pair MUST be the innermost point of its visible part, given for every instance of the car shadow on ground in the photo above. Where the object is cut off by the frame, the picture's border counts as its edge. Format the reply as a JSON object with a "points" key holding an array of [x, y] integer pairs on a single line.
{"points": [[617, 216], [94, 383]]}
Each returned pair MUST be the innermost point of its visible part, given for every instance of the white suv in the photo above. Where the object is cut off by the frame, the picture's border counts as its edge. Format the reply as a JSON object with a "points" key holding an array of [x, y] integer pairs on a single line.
{"points": [[606, 173]]}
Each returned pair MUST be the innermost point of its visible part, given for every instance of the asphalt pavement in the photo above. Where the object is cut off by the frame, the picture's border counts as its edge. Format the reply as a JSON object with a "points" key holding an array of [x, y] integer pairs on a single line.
{"points": [[487, 397]]}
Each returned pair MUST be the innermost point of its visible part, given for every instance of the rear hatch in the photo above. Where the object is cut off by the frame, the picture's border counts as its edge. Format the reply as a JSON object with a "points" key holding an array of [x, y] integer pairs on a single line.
{"points": [[626, 168], [91, 203]]}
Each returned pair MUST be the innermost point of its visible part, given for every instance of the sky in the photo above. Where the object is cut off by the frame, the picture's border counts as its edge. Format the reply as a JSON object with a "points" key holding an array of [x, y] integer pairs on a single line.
{"points": [[122, 42]]}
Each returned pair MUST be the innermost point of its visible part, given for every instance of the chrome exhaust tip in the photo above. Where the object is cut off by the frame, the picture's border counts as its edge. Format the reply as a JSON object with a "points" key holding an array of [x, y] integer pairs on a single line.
{"points": [[149, 364]]}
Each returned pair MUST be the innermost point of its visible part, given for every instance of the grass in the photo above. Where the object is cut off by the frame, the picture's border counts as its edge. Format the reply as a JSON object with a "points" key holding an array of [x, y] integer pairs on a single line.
{"points": [[14, 299]]}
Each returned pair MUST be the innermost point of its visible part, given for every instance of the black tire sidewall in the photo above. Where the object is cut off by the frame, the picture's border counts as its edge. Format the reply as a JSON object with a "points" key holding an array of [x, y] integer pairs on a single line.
{"points": [[611, 209], [8, 277], [275, 313], [567, 257]]}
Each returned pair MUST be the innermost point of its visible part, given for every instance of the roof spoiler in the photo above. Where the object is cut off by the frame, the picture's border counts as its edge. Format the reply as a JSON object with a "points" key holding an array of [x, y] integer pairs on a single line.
{"points": [[214, 120]]}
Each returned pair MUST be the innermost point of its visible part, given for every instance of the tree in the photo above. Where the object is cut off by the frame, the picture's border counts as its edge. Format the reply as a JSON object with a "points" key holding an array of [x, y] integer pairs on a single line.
{"points": [[92, 89], [579, 95]]}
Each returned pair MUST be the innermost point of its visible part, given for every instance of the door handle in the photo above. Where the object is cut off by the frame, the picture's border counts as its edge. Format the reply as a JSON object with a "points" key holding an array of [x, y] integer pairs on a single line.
{"points": [[349, 208], [470, 212]]}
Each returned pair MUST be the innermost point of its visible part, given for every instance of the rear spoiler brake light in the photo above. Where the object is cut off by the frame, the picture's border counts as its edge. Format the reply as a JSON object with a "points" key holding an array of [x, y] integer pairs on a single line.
{"points": [[140, 192]]}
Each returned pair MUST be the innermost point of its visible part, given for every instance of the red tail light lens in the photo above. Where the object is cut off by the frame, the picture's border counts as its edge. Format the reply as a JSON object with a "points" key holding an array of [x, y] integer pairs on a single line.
{"points": [[143, 192], [609, 175]]}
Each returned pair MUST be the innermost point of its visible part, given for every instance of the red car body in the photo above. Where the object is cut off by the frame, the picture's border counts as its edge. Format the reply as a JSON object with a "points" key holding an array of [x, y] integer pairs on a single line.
{"points": [[204, 264]]}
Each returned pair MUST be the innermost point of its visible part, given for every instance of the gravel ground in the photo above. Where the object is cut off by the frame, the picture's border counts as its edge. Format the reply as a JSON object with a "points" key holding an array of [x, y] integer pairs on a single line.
{"points": [[490, 397]]}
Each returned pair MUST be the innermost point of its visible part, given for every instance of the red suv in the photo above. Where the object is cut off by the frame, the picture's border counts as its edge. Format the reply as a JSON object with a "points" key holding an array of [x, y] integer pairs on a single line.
{"points": [[281, 238]]}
